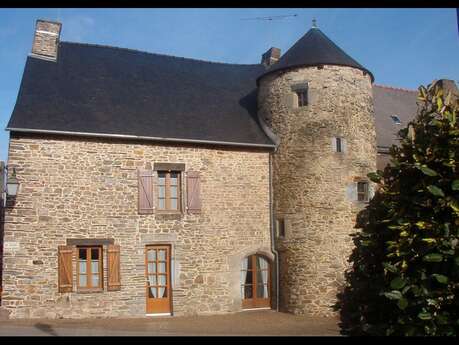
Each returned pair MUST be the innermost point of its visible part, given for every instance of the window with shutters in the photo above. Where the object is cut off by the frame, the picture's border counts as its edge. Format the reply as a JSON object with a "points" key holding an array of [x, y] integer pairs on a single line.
{"points": [[362, 191], [169, 191], [90, 268]]}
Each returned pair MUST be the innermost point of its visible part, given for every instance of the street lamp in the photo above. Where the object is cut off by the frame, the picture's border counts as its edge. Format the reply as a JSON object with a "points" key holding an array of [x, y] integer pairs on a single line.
{"points": [[12, 185]]}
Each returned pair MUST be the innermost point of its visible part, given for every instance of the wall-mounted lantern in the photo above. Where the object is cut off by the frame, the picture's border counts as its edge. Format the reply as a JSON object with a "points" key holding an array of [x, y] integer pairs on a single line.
{"points": [[11, 187]]}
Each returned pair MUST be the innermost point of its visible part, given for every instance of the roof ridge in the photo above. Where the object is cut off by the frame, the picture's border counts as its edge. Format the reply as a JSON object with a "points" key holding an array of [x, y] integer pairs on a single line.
{"points": [[395, 88], [157, 54]]}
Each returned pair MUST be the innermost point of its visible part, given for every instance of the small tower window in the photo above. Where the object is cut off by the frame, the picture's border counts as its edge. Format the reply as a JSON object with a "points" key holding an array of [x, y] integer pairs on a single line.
{"points": [[396, 119], [339, 147], [362, 191], [302, 97], [339, 144]]}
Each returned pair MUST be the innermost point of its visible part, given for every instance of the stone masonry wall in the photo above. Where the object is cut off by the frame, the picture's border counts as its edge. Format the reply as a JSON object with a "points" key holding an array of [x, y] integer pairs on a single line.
{"points": [[312, 183], [87, 188]]}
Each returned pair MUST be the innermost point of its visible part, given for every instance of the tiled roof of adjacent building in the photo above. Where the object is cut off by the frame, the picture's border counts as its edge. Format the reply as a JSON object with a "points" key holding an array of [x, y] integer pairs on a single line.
{"points": [[388, 102], [93, 89], [314, 49]]}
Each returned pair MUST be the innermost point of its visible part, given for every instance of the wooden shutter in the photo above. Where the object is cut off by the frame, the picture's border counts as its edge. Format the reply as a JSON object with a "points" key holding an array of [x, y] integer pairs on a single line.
{"points": [[145, 178], [113, 279], [193, 192], [65, 263]]}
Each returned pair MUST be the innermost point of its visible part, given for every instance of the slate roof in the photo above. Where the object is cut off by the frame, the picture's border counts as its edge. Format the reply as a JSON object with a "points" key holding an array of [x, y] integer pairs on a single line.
{"points": [[313, 49], [391, 101], [105, 90], [95, 90]]}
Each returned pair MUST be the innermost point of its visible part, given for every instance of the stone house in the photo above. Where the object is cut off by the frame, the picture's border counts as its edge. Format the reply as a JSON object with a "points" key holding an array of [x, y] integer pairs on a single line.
{"points": [[153, 184]]}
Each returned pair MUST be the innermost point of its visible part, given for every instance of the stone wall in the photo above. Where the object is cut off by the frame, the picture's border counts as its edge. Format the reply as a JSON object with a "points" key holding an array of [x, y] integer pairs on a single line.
{"points": [[313, 185], [87, 188]]}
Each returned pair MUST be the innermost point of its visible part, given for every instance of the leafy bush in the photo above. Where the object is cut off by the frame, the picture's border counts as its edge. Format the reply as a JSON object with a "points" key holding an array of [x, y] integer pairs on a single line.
{"points": [[404, 278]]}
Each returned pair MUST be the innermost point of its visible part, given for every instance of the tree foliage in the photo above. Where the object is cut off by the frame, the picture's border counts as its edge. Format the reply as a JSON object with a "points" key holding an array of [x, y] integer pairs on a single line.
{"points": [[404, 276]]}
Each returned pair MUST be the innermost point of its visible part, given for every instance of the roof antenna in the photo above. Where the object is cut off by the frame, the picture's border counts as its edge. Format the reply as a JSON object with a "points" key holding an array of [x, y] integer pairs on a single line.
{"points": [[314, 23]]}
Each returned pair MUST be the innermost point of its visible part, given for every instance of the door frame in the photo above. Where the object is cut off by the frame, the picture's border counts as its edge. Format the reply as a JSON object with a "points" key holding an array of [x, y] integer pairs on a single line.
{"points": [[168, 279], [256, 303]]}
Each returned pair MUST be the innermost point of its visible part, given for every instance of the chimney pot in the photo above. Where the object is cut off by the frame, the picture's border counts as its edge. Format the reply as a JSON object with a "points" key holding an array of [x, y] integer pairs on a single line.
{"points": [[46, 39], [271, 56]]}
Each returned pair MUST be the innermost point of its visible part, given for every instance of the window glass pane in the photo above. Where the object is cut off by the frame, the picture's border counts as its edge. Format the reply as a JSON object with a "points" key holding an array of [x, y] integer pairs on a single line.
{"points": [[152, 292], [95, 254], [248, 277], [249, 263], [161, 204], [173, 204], [82, 267], [95, 280], [174, 178], [162, 254], [161, 191], [151, 255], [162, 292], [161, 178], [173, 191], [245, 263], [82, 253], [151, 267], [82, 281], [152, 280], [162, 267], [95, 266], [338, 144], [248, 291], [262, 291], [361, 187], [162, 279]]}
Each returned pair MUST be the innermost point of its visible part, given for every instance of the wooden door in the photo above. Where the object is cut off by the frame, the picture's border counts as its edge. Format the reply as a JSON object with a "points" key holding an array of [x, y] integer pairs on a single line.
{"points": [[158, 287], [256, 282]]}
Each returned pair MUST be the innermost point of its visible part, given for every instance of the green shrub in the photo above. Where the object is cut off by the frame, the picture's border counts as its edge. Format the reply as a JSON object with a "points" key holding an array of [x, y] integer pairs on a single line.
{"points": [[404, 276]]}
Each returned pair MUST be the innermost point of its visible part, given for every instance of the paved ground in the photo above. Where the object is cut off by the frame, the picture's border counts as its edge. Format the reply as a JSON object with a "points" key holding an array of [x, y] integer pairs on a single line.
{"points": [[265, 322]]}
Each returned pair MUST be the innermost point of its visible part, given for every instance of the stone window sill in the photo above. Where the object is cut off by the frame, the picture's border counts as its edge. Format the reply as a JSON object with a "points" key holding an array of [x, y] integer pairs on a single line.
{"points": [[90, 290]]}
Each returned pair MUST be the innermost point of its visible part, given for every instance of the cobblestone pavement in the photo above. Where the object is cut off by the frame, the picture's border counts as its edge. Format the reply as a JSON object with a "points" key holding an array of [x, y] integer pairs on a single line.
{"points": [[244, 323]]}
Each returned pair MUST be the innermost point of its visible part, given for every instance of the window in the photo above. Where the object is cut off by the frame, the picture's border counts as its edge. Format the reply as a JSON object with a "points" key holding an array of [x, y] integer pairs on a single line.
{"points": [[302, 97], [362, 191], [280, 228], [89, 268], [396, 119], [339, 147], [169, 190]]}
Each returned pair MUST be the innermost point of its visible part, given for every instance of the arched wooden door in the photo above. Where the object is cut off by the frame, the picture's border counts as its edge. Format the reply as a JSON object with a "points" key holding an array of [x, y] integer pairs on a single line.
{"points": [[256, 282]]}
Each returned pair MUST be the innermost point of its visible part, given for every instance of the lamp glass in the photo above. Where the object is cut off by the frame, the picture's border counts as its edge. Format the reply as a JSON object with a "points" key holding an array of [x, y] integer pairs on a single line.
{"points": [[12, 187]]}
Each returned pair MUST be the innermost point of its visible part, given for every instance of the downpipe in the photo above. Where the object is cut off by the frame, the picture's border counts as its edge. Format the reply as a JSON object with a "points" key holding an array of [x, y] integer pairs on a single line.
{"points": [[273, 228]]}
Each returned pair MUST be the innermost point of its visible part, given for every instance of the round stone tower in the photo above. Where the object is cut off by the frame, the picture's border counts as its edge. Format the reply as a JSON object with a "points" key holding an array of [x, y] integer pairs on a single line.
{"points": [[318, 101]]}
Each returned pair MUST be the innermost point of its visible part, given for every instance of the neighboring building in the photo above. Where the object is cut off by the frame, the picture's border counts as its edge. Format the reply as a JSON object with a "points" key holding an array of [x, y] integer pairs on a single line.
{"points": [[152, 184]]}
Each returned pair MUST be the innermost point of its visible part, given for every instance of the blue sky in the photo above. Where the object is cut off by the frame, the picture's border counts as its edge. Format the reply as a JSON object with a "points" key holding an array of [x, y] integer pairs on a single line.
{"points": [[402, 47]]}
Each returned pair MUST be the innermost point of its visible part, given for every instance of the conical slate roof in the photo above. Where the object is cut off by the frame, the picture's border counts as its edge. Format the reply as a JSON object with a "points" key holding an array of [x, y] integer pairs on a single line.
{"points": [[313, 49]]}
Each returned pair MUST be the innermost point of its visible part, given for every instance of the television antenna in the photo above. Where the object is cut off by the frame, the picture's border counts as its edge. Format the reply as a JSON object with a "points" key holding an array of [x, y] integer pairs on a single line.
{"points": [[271, 17]]}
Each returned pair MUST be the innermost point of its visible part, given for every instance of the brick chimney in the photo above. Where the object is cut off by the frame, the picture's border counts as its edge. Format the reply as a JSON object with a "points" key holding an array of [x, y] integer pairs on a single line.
{"points": [[271, 56], [46, 40]]}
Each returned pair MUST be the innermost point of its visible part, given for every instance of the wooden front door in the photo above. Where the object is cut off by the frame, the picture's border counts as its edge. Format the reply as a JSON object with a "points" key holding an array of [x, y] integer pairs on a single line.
{"points": [[158, 287], [256, 282]]}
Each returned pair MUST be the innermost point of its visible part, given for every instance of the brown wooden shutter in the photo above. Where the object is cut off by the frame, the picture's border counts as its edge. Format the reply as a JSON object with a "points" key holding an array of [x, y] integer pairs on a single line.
{"points": [[65, 263], [113, 279], [145, 191], [193, 192]]}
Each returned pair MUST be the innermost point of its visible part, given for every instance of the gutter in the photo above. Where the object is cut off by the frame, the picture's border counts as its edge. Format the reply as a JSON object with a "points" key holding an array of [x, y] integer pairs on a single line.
{"points": [[137, 137], [273, 228]]}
